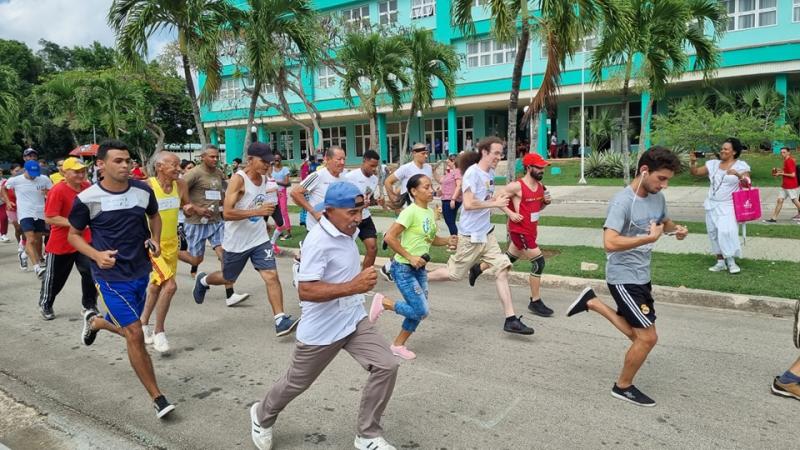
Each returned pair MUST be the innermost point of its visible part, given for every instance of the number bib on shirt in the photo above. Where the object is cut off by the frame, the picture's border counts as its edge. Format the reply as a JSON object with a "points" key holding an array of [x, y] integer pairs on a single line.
{"points": [[213, 195]]}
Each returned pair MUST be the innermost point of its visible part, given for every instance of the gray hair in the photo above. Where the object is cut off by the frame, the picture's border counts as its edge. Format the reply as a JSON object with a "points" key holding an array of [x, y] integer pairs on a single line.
{"points": [[162, 156], [331, 151], [208, 147]]}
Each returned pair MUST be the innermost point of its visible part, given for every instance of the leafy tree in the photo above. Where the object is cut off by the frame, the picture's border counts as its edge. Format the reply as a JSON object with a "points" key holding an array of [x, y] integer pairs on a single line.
{"points": [[793, 109], [21, 59], [59, 59]]}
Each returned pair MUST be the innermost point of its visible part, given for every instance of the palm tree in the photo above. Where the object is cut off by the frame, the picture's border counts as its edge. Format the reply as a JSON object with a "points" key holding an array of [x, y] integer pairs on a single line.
{"points": [[57, 98], [793, 109], [9, 103], [115, 101], [200, 25], [560, 25], [430, 60], [374, 67], [660, 32]]}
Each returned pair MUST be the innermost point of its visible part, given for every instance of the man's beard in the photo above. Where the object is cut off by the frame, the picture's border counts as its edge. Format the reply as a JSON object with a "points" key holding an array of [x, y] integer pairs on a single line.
{"points": [[538, 176]]}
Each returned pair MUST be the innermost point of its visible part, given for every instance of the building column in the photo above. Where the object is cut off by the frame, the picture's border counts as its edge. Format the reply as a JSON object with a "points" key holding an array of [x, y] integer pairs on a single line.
{"points": [[782, 86], [541, 138], [263, 136], [646, 114], [213, 136], [316, 138], [452, 130], [383, 142], [234, 143]]}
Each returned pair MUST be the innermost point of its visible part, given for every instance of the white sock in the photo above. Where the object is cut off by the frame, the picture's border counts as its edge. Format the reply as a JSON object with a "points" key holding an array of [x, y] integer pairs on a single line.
{"points": [[730, 261], [203, 281], [387, 265], [278, 317], [275, 235]]}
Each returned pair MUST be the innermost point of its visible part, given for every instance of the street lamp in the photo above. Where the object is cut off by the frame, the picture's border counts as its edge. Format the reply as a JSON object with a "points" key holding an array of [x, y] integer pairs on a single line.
{"points": [[419, 125], [253, 134], [583, 123]]}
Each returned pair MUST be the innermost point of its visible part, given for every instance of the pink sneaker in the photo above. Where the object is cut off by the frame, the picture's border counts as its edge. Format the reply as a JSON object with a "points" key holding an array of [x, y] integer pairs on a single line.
{"points": [[402, 351], [376, 308], [276, 250]]}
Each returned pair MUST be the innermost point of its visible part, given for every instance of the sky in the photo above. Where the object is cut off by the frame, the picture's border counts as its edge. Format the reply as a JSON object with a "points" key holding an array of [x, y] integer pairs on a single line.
{"points": [[65, 22]]}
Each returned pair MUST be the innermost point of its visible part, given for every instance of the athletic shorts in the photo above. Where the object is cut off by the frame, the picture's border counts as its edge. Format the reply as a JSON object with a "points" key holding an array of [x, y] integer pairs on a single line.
{"points": [[182, 236], [198, 233], [124, 300], [276, 216], [366, 229], [526, 241], [261, 256], [165, 266], [470, 253], [790, 194], [29, 224], [635, 303]]}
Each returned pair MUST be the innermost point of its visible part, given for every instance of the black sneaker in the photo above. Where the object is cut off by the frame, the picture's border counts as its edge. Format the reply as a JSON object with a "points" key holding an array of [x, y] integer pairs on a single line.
{"points": [[47, 313], [514, 325], [199, 291], [474, 272], [162, 406], [581, 304], [770, 221], [633, 395], [386, 274], [539, 308], [88, 335], [796, 329]]}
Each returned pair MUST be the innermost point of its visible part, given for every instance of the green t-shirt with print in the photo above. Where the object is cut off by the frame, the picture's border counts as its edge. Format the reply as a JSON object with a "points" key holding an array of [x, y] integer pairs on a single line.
{"points": [[419, 233]]}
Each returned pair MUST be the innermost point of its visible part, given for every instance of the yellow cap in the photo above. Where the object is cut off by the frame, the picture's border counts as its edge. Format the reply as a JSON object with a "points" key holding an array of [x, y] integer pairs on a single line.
{"points": [[73, 164]]}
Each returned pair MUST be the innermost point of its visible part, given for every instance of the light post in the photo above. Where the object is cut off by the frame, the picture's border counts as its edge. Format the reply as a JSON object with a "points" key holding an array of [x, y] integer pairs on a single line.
{"points": [[190, 132], [583, 124], [253, 134], [419, 125]]}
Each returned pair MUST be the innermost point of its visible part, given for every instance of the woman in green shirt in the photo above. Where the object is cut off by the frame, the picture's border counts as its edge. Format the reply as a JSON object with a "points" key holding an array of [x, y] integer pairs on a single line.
{"points": [[411, 237]]}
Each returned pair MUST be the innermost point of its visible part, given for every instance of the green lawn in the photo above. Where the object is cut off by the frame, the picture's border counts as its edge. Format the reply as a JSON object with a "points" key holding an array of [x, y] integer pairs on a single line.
{"points": [[758, 277]]}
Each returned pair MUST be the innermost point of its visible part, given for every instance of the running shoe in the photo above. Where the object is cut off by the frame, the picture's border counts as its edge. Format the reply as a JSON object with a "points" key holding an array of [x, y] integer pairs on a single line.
{"points": [[386, 273], [262, 437], [797, 324], [286, 237], [236, 299], [160, 343], [88, 335], [162, 406], [733, 268], [474, 273], [514, 325], [377, 443], [285, 326], [791, 390], [581, 304], [376, 307], [39, 271], [276, 250], [23, 260], [47, 313], [539, 308], [770, 221], [633, 395], [402, 351], [199, 291], [720, 266], [797, 217], [147, 331], [4, 239]]}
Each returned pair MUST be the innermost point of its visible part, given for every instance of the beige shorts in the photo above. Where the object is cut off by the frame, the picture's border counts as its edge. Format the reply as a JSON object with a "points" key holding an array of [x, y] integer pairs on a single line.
{"points": [[791, 194], [468, 254]]}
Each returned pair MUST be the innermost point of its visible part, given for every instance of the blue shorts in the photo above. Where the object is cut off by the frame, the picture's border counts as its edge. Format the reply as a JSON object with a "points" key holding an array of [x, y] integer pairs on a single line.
{"points": [[198, 233], [29, 224], [123, 299], [262, 256]]}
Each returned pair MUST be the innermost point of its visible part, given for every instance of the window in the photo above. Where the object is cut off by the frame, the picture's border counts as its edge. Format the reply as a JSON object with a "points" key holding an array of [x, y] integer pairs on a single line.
{"points": [[465, 131], [266, 88], [796, 11], [229, 89], [477, 3], [327, 77], [284, 143], [387, 12], [362, 139], [589, 43], [488, 52], [357, 17], [422, 8], [744, 14], [334, 136], [395, 132]]}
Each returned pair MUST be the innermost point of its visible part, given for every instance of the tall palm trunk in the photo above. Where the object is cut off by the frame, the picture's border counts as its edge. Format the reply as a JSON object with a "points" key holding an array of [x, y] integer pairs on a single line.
{"points": [[516, 79], [404, 145], [644, 132], [373, 130], [626, 154], [251, 116], [187, 73]]}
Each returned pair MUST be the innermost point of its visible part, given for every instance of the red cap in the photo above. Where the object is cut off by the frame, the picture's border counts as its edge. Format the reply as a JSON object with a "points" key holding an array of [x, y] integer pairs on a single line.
{"points": [[534, 159]]}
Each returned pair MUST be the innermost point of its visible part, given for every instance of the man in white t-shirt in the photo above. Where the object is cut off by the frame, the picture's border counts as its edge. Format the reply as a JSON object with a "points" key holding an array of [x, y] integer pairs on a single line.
{"points": [[367, 183], [476, 241], [31, 188], [316, 185]]}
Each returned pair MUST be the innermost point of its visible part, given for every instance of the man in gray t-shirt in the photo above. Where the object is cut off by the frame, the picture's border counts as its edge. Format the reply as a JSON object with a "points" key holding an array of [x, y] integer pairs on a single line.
{"points": [[637, 218]]}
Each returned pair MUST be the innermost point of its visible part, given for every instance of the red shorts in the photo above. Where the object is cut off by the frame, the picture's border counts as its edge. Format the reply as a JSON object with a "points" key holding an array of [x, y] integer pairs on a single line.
{"points": [[523, 241]]}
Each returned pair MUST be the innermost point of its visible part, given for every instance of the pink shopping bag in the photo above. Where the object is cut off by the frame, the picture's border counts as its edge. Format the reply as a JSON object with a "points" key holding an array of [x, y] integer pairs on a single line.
{"points": [[747, 205]]}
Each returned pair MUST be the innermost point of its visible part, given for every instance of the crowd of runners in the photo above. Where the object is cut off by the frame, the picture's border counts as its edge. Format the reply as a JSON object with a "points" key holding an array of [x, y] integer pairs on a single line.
{"points": [[127, 232]]}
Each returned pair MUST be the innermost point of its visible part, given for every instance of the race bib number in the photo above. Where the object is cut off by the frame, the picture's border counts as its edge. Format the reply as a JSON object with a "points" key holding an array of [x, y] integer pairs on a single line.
{"points": [[350, 302], [168, 203], [534, 217], [476, 238], [213, 195], [117, 202]]}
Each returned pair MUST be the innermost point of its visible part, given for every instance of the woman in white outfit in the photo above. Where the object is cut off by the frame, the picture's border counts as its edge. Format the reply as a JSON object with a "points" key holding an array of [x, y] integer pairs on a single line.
{"points": [[725, 175]]}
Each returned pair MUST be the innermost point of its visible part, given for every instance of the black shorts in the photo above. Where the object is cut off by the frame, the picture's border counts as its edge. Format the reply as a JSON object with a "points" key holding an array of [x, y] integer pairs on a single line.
{"points": [[635, 303], [366, 229], [182, 235], [277, 217]]}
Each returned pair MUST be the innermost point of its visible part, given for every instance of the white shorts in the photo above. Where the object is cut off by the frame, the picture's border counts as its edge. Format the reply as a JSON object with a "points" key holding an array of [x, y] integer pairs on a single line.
{"points": [[791, 194]]}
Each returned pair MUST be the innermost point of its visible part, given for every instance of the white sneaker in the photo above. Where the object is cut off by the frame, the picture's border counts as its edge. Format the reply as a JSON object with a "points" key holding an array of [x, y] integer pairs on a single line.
{"points": [[236, 298], [38, 270], [147, 330], [4, 239], [262, 437], [377, 443], [160, 343], [720, 266], [732, 267]]}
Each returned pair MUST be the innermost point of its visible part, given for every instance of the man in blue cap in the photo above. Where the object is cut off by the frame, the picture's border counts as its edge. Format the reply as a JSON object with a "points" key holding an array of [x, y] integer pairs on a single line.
{"points": [[31, 187], [331, 286]]}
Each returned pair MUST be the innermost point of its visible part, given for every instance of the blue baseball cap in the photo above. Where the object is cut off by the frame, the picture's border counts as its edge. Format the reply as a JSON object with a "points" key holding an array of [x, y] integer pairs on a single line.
{"points": [[32, 167], [341, 194]]}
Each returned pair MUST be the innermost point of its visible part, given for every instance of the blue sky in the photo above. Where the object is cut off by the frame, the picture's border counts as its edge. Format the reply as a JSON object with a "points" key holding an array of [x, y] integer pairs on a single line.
{"points": [[65, 22]]}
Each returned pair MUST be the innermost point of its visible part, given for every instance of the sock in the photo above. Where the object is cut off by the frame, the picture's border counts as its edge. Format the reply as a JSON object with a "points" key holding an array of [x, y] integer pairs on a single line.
{"points": [[789, 377], [275, 235], [228, 291], [193, 269], [537, 300], [279, 317], [510, 318], [388, 265], [203, 281]]}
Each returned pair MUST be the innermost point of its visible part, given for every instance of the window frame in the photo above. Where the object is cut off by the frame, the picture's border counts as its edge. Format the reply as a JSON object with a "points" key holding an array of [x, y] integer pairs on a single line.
{"points": [[796, 11], [362, 22], [507, 51], [391, 15], [329, 76], [756, 12], [418, 8]]}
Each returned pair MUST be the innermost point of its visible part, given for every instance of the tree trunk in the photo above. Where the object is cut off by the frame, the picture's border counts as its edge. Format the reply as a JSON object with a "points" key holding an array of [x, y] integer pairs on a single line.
{"points": [[373, 131], [187, 72], [644, 132], [157, 133], [404, 145], [626, 154], [516, 79], [251, 116]]}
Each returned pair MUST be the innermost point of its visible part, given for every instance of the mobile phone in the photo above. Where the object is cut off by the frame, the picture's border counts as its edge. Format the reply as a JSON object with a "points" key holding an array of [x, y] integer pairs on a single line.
{"points": [[426, 257], [699, 154], [150, 246]]}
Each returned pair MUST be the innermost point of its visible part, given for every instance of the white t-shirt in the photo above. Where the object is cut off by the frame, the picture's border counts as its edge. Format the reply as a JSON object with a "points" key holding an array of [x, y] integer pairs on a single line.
{"points": [[367, 186], [329, 256], [722, 185], [245, 234], [316, 185], [30, 195], [477, 222], [408, 170]]}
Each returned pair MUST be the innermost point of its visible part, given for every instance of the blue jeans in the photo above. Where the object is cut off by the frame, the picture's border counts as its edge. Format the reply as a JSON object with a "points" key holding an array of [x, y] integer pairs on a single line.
{"points": [[413, 285], [450, 216]]}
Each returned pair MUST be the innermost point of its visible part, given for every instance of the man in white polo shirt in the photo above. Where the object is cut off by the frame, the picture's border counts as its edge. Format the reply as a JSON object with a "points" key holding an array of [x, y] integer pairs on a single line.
{"points": [[331, 289], [316, 184]]}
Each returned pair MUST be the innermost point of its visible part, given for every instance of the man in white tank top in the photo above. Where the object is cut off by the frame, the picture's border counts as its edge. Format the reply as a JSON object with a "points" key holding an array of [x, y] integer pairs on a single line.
{"points": [[245, 206]]}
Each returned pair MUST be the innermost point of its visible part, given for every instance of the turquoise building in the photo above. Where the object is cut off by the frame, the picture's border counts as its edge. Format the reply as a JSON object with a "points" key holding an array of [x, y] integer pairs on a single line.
{"points": [[762, 44]]}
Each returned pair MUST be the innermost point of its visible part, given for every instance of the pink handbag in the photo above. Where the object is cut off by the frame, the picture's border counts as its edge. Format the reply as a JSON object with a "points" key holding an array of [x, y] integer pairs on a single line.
{"points": [[747, 205]]}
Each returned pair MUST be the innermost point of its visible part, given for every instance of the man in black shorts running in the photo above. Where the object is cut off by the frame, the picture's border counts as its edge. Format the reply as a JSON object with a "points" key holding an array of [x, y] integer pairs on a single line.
{"points": [[637, 217], [367, 183]]}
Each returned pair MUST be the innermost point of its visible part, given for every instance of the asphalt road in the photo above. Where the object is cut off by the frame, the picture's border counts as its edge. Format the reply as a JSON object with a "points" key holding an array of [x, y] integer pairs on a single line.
{"points": [[471, 387]]}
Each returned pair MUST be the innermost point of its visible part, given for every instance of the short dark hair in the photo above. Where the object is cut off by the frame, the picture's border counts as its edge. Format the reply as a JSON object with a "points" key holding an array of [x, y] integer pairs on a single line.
{"points": [[185, 162], [658, 157], [786, 148], [737, 146], [110, 144], [371, 154], [486, 143], [237, 160]]}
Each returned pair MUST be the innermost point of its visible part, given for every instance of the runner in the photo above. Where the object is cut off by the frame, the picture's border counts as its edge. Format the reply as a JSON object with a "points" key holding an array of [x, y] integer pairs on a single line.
{"points": [[183, 253], [30, 189], [789, 185], [528, 198], [245, 237], [59, 174], [305, 169], [411, 237], [3, 215], [788, 384], [206, 187], [451, 194], [115, 210], [10, 204], [170, 191], [316, 184], [637, 218], [280, 174], [367, 183], [61, 256], [332, 290]]}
